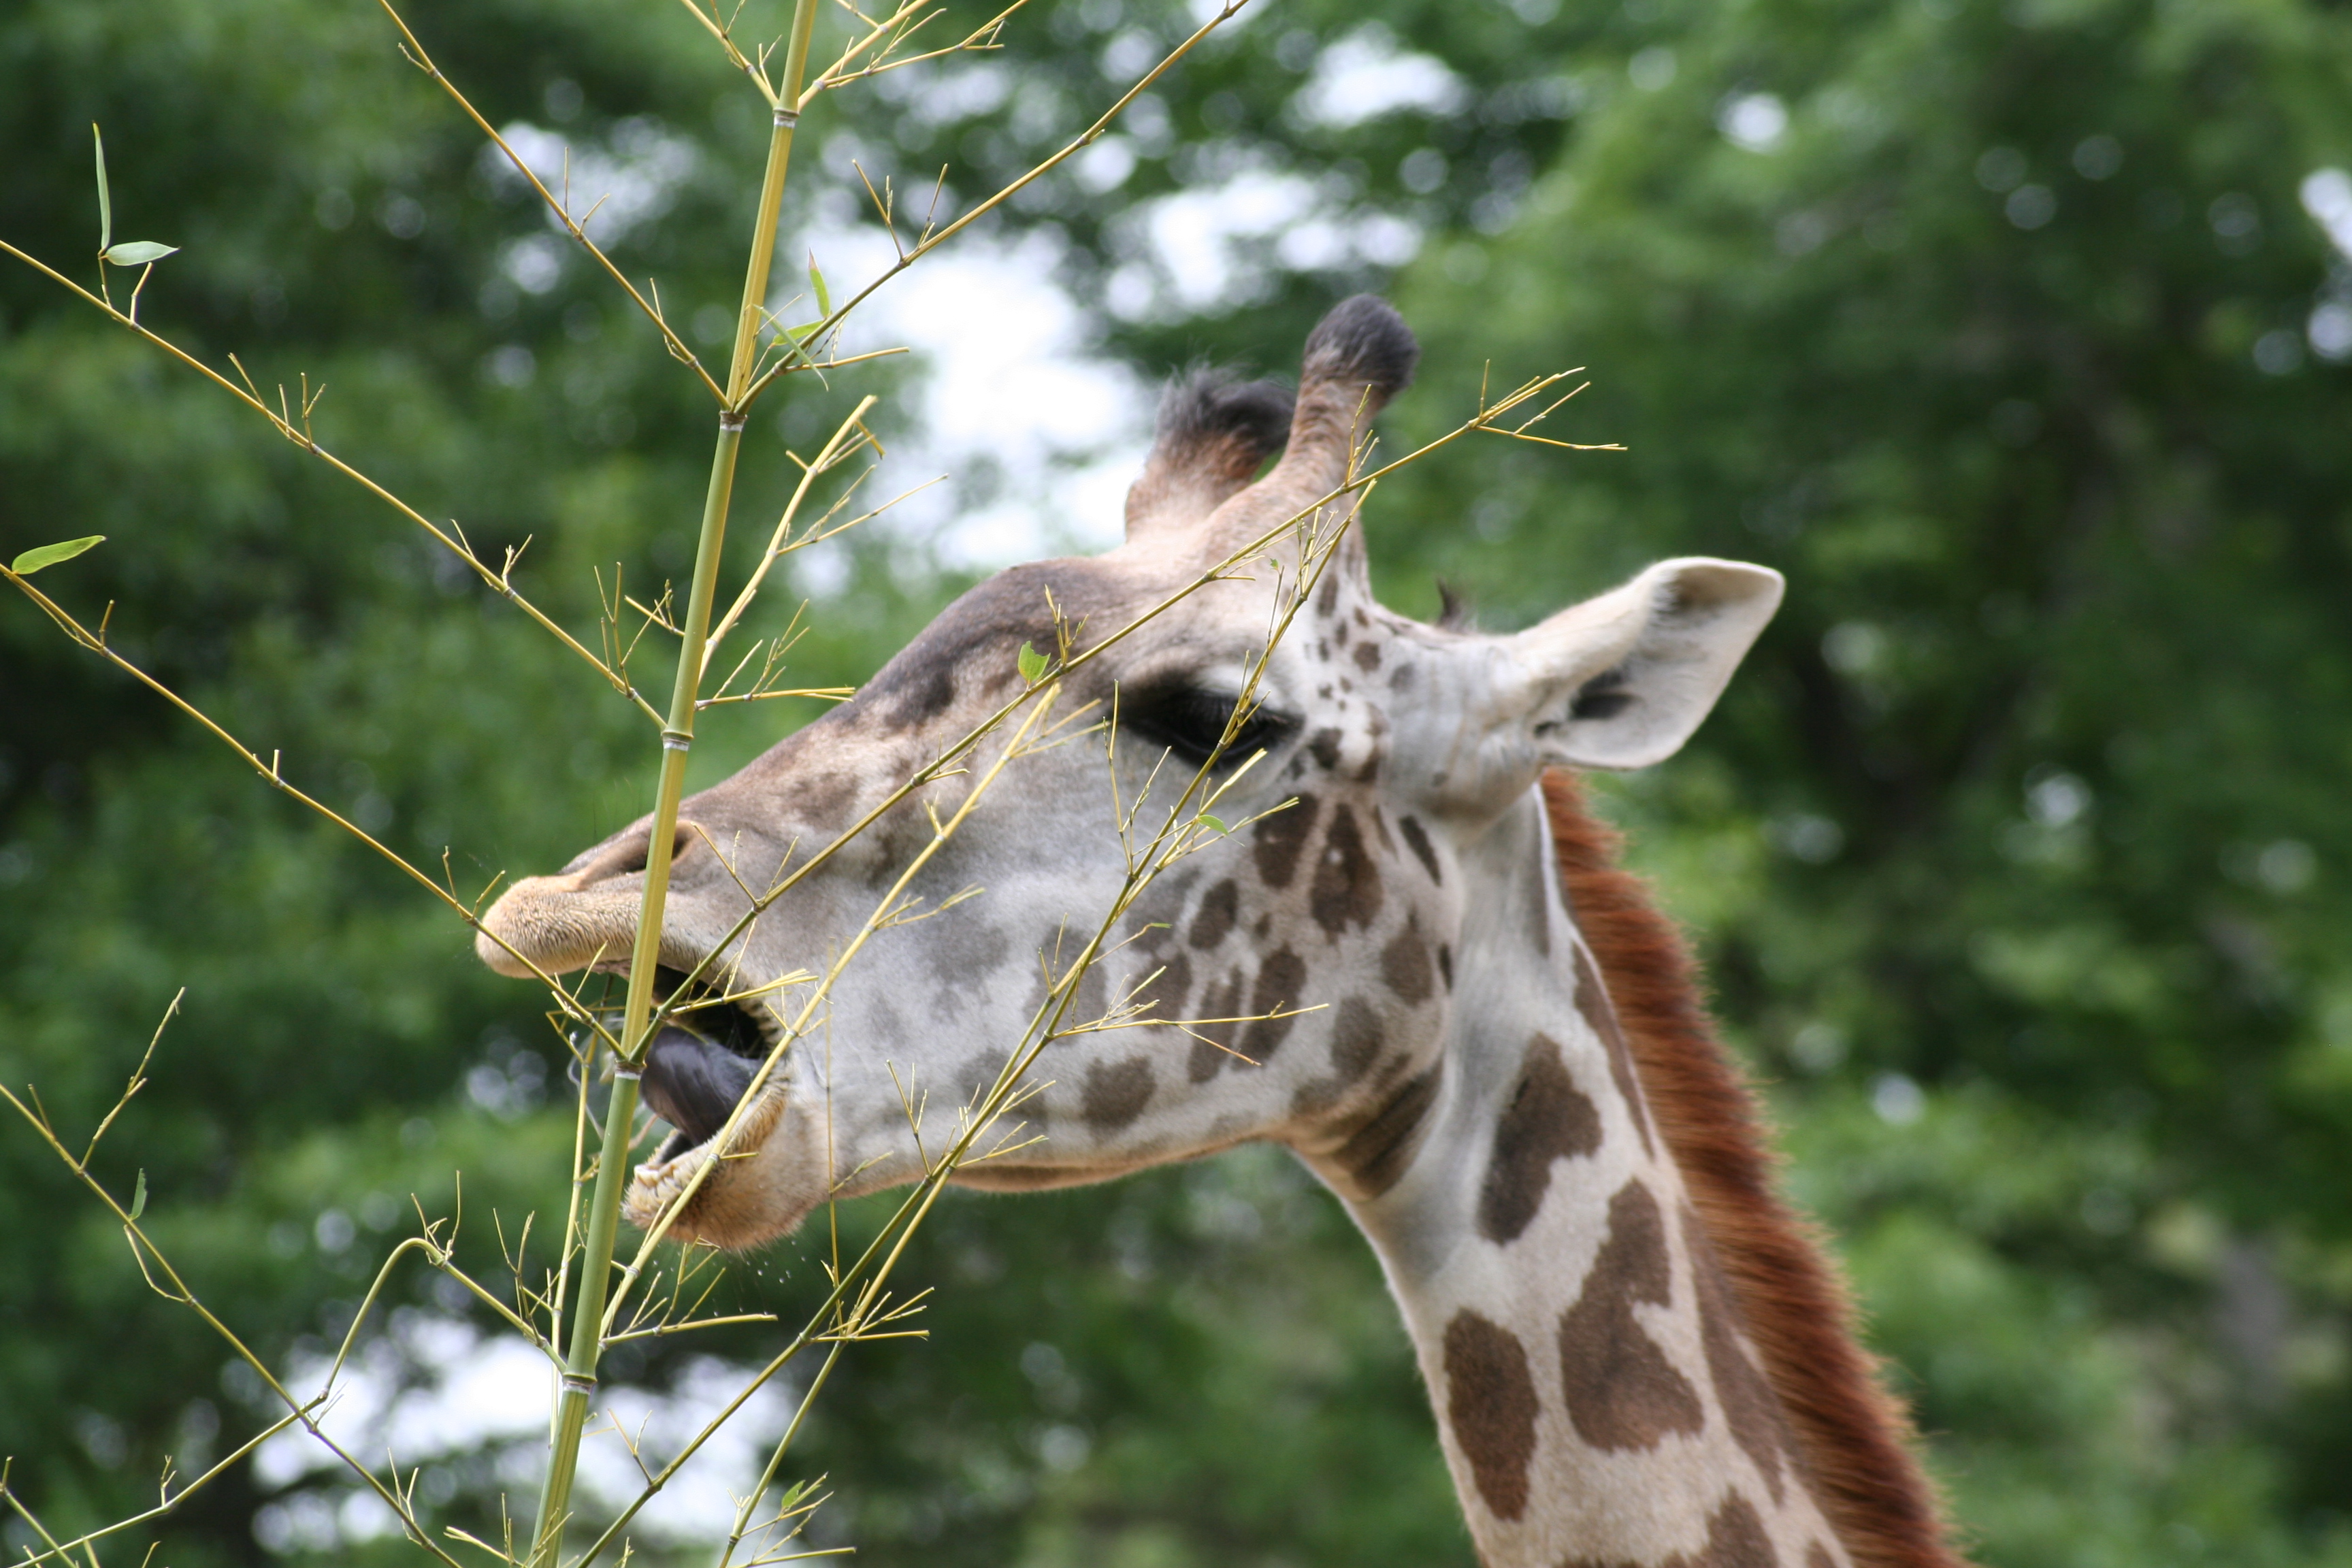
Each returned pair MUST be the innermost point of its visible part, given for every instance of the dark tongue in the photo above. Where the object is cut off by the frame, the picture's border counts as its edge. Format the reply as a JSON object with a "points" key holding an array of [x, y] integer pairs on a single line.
{"points": [[693, 1084]]}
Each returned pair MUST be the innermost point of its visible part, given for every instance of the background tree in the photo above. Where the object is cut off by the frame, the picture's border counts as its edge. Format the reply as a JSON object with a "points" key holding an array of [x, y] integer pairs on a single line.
{"points": [[2017, 852]]}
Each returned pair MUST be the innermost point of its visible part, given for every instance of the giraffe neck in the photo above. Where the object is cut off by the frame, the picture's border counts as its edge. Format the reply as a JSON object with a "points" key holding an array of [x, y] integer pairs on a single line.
{"points": [[1598, 1397]]}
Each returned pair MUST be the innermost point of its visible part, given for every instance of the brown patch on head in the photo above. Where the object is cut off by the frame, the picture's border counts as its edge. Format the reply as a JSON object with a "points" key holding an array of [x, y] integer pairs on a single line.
{"points": [[1853, 1439], [1621, 1391], [1445, 965], [1490, 1403], [1115, 1093], [1417, 839], [1175, 982], [1215, 916], [1327, 601], [1347, 890], [1601, 1015], [1324, 747], [975, 638], [1405, 965], [1280, 980], [1278, 840], [1367, 656], [1091, 999], [1749, 1405], [1211, 1046], [1356, 1039], [1547, 1119]]}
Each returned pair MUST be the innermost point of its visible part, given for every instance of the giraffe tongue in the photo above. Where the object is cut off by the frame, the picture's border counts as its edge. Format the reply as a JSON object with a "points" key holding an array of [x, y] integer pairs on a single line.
{"points": [[693, 1083]]}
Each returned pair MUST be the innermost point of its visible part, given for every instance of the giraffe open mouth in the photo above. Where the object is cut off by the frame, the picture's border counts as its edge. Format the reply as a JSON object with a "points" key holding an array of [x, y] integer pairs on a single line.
{"points": [[699, 1064]]}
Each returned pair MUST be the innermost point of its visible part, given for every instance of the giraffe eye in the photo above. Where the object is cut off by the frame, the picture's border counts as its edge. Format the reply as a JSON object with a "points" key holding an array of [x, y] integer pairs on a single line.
{"points": [[1192, 722]]}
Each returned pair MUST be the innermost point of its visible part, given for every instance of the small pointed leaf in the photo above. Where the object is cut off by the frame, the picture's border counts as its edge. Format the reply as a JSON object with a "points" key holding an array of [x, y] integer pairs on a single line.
{"points": [[105, 203], [817, 281], [1214, 824], [1033, 664], [138, 252], [32, 561], [139, 1196]]}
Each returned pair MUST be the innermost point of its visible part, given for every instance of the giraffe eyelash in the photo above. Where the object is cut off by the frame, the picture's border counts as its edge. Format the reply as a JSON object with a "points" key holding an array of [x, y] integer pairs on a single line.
{"points": [[1190, 723]]}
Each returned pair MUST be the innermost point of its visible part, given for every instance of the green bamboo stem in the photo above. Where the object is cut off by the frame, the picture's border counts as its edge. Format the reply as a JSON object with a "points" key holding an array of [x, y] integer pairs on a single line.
{"points": [[587, 1341]]}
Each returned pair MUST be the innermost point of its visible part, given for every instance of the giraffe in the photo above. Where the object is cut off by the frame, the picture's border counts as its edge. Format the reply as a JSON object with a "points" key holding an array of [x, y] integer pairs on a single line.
{"points": [[1471, 1025]]}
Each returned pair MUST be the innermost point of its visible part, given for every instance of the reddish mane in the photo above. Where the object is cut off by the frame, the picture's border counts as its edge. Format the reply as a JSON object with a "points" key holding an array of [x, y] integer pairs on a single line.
{"points": [[1856, 1439]]}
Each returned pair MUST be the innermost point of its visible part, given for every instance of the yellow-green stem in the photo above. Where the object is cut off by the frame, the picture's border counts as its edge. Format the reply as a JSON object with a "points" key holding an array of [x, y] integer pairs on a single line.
{"points": [[587, 1340]]}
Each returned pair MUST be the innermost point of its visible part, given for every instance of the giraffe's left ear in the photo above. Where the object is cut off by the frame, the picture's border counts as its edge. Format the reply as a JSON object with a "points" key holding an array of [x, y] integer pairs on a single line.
{"points": [[1622, 681]]}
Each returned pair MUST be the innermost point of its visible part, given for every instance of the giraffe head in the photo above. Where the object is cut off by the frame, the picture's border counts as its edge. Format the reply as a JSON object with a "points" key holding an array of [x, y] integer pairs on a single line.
{"points": [[1304, 960]]}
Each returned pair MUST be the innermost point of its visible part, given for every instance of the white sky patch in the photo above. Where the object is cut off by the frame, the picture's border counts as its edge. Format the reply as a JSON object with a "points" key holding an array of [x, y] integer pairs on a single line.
{"points": [[1216, 247], [435, 1387], [1757, 122], [1038, 433], [633, 173], [2328, 197], [1366, 75]]}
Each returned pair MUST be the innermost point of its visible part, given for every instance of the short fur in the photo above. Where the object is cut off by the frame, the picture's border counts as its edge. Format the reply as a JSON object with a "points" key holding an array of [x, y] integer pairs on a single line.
{"points": [[1856, 1439], [1209, 406], [1361, 341], [1214, 434]]}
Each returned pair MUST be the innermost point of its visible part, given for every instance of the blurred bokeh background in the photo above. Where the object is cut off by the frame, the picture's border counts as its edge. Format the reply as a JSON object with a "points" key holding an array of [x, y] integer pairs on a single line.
{"points": [[2017, 333]]}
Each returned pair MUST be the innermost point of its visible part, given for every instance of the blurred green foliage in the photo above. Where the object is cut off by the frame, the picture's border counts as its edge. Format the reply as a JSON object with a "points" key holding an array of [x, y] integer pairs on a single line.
{"points": [[2017, 851]]}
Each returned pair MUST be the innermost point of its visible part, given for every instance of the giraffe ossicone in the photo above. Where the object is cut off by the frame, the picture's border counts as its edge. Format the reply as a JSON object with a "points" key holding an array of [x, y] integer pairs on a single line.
{"points": [[1405, 963]]}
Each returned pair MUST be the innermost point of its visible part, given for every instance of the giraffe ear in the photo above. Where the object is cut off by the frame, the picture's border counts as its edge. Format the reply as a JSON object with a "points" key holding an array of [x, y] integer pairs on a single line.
{"points": [[1622, 681], [1213, 433]]}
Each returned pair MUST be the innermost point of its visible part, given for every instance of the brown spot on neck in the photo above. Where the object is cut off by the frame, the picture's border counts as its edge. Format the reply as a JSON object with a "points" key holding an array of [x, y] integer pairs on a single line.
{"points": [[1539, 912], [1621, 1391], [1490, 1405], [1853, 1438], [1747, 1401], [1736, 1538], [1546, 1119], [1379, 1149], [1601, 1016]]}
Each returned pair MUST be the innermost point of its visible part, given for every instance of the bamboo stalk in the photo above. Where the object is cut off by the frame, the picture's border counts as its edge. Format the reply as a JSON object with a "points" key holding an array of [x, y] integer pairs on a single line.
{"points": [[587, 1338]]}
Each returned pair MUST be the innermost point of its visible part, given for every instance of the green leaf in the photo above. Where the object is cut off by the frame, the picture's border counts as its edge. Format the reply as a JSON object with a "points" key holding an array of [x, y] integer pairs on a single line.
{"points": [[1033, 664], [32, 561], [138, 252], [1217, 824], [817, 281], [139, 1196], [105, 203]]}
